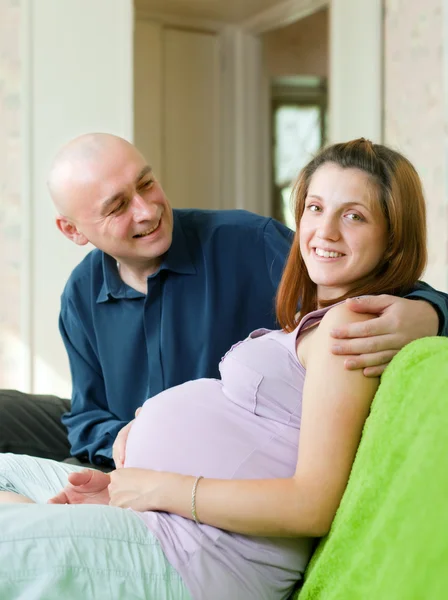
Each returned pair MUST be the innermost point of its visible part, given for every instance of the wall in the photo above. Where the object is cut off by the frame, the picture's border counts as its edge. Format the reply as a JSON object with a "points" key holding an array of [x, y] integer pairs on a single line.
{"points": [[177, 110], [148, 97], [415, 111], [81, 81], [355, 82], [12, 350], [66, 69], [70, 71], [298, 49]]}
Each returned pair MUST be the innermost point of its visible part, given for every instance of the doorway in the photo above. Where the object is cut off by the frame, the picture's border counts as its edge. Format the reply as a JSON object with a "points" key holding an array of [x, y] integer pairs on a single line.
{"points": [[296, 59], [298, 48], [298, 126]]}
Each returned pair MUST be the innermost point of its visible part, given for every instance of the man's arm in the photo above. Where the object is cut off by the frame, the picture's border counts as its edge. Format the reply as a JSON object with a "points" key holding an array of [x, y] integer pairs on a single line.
{"points": [[277, 240], [92, 428], [438, 300], [372, 345]]}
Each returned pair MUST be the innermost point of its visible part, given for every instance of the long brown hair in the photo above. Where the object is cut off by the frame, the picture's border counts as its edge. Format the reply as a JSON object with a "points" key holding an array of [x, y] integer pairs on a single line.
{"points": [[398, 191]]}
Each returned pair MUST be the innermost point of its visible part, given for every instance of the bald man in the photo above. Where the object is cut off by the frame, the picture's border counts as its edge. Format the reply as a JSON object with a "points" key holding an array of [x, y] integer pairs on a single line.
{"points": [[161, 298]]}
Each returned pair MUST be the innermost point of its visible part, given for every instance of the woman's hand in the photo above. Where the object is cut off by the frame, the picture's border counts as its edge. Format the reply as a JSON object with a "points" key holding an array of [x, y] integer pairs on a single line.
{"points": [[144, 489], [119, 446], [84, 487], [134, 488], [372, 344]]}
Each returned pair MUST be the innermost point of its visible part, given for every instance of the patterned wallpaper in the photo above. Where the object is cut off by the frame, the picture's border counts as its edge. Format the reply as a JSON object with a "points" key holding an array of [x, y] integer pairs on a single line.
{"points": [[415, 119], [12, 354]]}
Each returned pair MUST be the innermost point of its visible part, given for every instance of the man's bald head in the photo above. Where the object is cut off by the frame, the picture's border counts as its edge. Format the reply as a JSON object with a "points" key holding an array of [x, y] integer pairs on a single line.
{"points": [[106, 194], [76, 164]]}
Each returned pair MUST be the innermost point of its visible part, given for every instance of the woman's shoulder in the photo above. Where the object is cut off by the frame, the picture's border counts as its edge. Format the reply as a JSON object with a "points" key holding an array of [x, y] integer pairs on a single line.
{"points": [[340, 314]]}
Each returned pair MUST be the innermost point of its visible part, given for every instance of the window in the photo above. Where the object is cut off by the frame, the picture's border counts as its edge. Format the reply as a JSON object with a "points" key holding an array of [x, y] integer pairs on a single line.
{"points": [[298, 127]]}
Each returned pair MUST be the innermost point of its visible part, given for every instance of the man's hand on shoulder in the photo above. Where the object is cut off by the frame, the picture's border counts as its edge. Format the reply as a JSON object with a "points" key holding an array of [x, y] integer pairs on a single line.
{"points": [[371, 345]]}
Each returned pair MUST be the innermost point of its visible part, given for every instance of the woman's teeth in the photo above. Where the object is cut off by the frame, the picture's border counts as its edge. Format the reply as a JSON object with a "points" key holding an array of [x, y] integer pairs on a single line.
{"points": [[327, 254]]}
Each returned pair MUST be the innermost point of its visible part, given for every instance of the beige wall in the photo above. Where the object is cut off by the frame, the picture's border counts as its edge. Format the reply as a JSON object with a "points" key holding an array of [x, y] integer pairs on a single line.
{"points": [[415, 119], [355, 81], [300, 48], [12, 364], [47, 97], [85, 86], [177, 110]]}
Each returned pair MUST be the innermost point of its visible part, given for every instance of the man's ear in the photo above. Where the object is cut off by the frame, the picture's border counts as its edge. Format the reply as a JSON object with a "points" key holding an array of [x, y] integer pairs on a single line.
{"points": [[70, 231]]}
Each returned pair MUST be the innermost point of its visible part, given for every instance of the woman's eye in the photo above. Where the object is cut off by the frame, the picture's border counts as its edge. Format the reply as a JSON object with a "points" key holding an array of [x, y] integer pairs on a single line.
{"points": [[355, 217], [313, 208]]}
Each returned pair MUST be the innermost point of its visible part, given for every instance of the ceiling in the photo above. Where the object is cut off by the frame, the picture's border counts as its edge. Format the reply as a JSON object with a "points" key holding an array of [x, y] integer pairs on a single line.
{"points": [[230, 11]]}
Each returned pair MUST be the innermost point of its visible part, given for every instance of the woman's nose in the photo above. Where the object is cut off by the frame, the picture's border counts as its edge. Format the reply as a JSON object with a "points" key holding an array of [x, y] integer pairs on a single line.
{"points": [[328, 228]]}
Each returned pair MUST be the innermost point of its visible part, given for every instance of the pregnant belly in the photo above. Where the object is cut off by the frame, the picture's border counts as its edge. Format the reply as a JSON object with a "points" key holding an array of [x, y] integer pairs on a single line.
{"points": [[194, 429]]}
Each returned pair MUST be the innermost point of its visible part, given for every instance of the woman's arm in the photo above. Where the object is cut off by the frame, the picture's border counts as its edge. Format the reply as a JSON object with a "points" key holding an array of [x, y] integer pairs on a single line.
{"points": [[336, 403]]}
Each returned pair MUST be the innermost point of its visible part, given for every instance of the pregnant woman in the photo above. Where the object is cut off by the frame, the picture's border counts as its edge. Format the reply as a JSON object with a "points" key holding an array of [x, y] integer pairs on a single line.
{"points": [[227, 483]]}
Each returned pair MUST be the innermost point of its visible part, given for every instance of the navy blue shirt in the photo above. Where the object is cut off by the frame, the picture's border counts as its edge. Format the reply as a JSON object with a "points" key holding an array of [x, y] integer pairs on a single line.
{"points": [[216, 284]]}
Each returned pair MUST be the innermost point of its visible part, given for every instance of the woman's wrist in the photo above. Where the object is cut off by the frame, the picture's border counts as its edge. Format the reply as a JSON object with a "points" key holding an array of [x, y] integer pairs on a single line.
{"points": [[174, 494]]}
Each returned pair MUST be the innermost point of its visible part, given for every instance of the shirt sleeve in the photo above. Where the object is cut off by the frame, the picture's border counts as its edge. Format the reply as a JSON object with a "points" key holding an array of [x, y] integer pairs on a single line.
{"points": [[277, 244], [92, 428], [438, 300]]}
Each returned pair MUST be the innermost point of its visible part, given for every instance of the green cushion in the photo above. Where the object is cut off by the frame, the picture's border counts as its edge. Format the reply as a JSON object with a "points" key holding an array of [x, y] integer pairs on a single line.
{"points": [[389, 539]]}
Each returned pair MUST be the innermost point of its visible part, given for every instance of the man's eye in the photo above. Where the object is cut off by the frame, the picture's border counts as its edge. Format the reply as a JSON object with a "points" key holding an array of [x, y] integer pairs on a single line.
{"points": [[147, 184], [117, 208]]}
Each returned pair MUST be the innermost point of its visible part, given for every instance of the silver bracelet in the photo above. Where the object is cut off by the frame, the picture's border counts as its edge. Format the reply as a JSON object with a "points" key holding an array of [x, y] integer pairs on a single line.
{"points": [[193, 500]]}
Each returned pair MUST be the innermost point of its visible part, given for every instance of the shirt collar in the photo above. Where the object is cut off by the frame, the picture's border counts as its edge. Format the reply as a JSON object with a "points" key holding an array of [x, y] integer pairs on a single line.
{"points": [[177, 259]]}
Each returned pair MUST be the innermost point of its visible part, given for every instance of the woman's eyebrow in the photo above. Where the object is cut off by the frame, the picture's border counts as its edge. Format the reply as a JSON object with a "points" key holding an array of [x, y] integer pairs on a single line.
{"points": [[343, 204]]}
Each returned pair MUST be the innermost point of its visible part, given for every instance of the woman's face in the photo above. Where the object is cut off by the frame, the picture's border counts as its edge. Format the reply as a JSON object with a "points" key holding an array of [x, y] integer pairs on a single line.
{"points": [[343, 232]]}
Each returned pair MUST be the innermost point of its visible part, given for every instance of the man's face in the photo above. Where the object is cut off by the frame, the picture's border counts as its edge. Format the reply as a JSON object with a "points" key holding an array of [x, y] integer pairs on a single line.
{"points": [[120, 208]]}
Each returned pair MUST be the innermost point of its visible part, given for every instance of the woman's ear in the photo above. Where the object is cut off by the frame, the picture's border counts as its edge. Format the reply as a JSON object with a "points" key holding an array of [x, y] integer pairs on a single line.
{"points": [[70, 231]]}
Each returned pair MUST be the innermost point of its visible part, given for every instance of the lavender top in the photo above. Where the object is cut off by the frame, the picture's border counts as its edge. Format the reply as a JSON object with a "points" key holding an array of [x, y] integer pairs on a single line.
{"points": [[244, 426]]}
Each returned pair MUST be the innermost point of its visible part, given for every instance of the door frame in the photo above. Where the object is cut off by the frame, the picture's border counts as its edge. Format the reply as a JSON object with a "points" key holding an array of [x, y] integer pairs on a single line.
{"points": [[355, 87]]}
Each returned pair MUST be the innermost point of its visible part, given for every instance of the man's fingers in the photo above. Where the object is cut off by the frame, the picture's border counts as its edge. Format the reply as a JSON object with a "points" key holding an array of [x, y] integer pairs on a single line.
{"points": [[89, 480], [367, 345], [382, 325], [379, 359], [374, 371], [80, 477], [60, 498], [360, 329], [119, 446], [118, 450], [370, 304]]}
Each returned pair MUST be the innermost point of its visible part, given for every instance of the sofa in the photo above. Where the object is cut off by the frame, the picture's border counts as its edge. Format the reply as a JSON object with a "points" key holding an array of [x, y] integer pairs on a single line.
{"points": [[389, 539]]}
